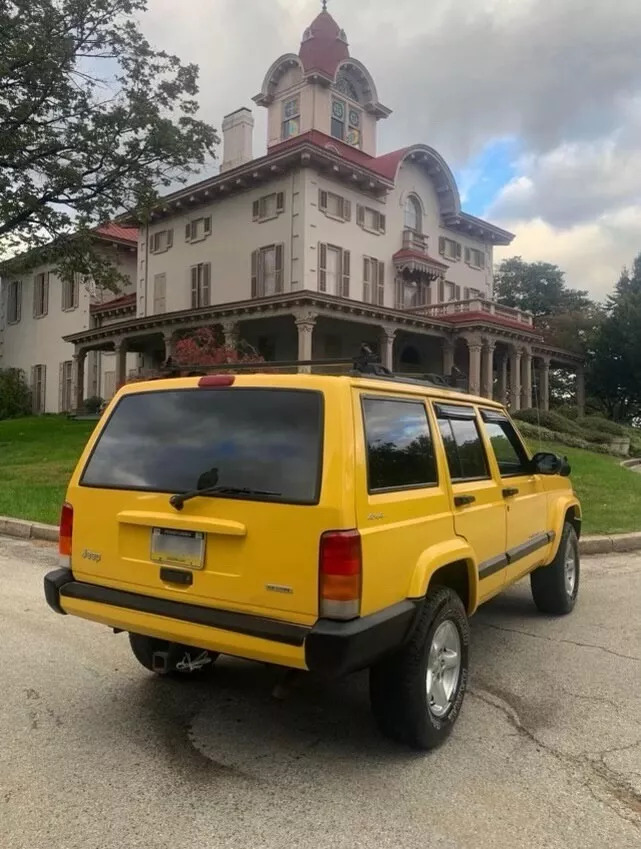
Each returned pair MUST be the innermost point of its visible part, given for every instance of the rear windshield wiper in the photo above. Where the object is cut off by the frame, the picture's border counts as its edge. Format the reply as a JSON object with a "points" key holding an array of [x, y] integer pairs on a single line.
{"points": [[178, 501]]}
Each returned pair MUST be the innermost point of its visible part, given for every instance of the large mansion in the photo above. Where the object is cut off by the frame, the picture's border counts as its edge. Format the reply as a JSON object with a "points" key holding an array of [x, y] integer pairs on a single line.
{"points": [[304, 253]]}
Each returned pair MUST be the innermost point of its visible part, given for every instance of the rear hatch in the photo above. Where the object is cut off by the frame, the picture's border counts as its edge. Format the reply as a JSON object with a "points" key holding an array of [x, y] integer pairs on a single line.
{"points": [[253, 545]]}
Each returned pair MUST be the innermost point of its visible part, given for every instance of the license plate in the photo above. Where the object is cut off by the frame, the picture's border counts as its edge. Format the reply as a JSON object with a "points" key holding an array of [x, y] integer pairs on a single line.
{"points": [[178, 548]]}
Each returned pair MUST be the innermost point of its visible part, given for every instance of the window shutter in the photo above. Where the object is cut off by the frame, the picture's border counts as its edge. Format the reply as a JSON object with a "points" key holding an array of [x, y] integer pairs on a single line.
{"points": [[279, 251], [381, 222], [481, 259], [441, 245], [347, 210], [398, 294], [280, 202], [205, 299], [467, 254], [152, 240], [188, 232], [360, 215], [427, 295], [45, 294], [76, 291], [256, 210], [36, 286], [458, 250], [457, 293], [194, 287], [19, 300], [346, 273], [367, 289], [254, 276], [441, 290], [61, 385], [466, 294], [322, 200], [207, 225], [322, 267], [380, 298], [170, 238]]}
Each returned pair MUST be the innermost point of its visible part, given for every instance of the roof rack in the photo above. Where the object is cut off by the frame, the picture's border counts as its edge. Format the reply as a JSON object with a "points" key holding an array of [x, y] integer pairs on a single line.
{"points": [[366, 364]]}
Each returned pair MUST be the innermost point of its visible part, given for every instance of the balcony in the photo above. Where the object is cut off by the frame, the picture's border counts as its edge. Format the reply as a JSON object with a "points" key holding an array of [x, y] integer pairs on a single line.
{"points": [[413, 241], [460, 309]]}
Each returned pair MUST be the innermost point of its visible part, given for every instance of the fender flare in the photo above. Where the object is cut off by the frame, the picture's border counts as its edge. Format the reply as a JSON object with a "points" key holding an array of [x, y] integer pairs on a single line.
{"points": [[561, 507], [442, 554]]}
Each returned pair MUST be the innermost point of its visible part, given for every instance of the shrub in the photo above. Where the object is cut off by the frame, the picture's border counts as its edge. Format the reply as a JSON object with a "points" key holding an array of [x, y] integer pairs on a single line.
{"points": [[600, 423], [93, 405], [15, 395], [569, 411], [550, 420]]}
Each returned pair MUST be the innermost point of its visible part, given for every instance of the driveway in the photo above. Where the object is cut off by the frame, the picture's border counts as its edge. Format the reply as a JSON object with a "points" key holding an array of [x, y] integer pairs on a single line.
{"points": [[98, 754]]}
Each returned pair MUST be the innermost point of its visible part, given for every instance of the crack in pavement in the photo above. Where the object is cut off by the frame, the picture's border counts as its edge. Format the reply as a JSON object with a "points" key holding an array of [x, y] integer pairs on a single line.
{"points": [[621, 798], [560, 640]]}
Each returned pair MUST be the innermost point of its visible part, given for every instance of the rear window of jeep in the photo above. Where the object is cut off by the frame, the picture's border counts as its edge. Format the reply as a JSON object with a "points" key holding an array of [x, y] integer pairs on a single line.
{"points": [[263, 440]]}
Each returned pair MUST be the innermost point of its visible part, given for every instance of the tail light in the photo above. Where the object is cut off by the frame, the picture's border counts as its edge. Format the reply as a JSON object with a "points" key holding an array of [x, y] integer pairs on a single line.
{"points": [[66, 532], [341, 569]]}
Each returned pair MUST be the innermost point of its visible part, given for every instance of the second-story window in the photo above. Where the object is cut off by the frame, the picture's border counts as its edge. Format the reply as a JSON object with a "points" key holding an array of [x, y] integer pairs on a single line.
{"points": [[14, 302], [269, 206], [370, 219], [475, 258], [449, 248], [334, 205], [198, 229], [70, 293], [267, 276], [200, 285], [291, 117], [333, 270], [373, 281], [160, 293], [346, 122], [410, 294], [40, 295], [413, 214], [162, 240]]}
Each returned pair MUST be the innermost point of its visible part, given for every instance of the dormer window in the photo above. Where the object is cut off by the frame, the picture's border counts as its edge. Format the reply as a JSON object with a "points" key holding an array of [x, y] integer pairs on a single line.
{"points": [[413, 215], [291, 118], [346, 86], [346, 123]]}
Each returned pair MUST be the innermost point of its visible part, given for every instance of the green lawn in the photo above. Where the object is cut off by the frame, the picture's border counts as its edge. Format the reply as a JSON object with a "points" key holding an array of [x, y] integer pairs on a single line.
{"points": [[37, 456]]}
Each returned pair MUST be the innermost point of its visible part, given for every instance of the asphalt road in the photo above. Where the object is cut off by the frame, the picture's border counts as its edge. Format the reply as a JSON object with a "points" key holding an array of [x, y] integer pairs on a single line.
{"points": [[96, 753]]}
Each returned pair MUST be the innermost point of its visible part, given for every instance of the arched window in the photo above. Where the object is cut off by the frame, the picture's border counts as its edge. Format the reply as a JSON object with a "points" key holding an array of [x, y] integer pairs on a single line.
{"points": [[413, 214]]}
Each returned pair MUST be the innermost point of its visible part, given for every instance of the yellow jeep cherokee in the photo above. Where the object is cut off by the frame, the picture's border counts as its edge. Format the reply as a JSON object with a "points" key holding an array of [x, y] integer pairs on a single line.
{"points": [[319, 523]]}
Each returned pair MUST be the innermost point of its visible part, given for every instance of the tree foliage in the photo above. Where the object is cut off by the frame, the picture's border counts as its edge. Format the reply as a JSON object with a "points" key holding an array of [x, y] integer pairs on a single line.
{"points": [[537, 287], [614, 373], [15, 395], [204, 347], [93, 121]]}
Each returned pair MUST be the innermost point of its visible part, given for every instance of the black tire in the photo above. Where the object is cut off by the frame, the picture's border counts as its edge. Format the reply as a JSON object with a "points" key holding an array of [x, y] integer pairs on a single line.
{"points": [[144, 649], [550, 590], [398, 691]]}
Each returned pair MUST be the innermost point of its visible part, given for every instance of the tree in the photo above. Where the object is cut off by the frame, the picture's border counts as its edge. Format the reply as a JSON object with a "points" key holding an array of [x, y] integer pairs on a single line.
{"points": [[15, 395], [93, 121], [537, 287], [614, 370]]}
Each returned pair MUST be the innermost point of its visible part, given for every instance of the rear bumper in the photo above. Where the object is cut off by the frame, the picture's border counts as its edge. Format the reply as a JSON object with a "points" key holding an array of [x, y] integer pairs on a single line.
{"points": [[330, 648]]}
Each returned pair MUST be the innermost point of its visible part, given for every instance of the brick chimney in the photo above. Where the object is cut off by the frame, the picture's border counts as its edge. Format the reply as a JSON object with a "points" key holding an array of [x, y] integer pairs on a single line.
{"points": [[238, 131]]}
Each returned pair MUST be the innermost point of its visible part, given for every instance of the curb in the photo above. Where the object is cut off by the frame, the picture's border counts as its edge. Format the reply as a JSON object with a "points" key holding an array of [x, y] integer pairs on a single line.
{"points": [[21, 529]]}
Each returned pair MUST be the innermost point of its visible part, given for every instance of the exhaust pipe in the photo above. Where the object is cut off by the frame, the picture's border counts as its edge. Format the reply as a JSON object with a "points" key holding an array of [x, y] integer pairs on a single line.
{"points": [[160, 662]]}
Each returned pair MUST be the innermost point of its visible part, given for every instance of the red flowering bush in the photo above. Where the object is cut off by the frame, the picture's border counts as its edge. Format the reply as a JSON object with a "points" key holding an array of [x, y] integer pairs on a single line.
{"points": [[203, 348]]}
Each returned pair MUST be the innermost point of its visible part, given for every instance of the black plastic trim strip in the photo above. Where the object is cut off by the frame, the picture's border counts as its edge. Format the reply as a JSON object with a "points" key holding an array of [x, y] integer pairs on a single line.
{"points": [[454, 411], [490, 567], [225, 620], [532, 545], [493, 416]]}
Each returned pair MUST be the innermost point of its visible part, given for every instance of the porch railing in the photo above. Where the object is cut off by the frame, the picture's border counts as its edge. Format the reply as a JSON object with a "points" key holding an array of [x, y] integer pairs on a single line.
{"points": [[414, 241], [476, 305]]}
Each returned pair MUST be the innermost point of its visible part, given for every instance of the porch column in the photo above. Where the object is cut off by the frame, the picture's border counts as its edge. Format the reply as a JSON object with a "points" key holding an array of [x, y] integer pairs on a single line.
{"points": [[120, 349], [544, 383], [78, 378], [388, 335], [580, 389], [305, 325], [170, 344], [515, 379], [503, 378], [231, 332], [526, 365], [487, 389], [474, 372], [449, 346]]}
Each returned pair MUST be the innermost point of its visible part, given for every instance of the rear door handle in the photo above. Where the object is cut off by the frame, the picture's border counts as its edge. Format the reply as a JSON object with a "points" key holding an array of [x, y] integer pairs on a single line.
{"points": [[462, 500], [509, 492]]}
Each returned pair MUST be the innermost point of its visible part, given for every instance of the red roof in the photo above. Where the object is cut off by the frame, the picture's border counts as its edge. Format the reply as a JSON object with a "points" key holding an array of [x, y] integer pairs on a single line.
{"points": [[116, 303], [387, 165], [324, 46], [119, 233]]}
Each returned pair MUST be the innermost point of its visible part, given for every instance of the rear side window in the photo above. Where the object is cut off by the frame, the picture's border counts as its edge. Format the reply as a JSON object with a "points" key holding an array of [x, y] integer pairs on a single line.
{"points": [[462, 441], [266, 440], [400, 452]]}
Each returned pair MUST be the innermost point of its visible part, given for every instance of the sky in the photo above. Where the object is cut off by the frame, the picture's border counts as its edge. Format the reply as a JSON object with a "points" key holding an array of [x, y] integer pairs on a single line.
{"points": [[535, 104]]}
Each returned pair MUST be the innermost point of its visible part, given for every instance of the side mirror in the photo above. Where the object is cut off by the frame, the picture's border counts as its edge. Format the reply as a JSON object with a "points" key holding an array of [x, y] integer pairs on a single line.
{"points": [[546, 463]]}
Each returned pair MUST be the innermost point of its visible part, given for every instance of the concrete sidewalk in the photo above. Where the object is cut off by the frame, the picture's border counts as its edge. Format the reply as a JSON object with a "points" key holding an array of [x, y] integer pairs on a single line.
{"points": [[22, 529]]}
